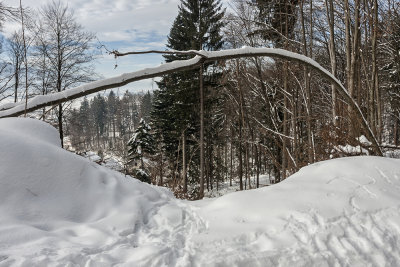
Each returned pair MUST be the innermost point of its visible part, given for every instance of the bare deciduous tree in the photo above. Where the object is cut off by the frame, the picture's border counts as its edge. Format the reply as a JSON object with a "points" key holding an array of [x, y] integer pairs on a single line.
{"points": [[67, 50]]}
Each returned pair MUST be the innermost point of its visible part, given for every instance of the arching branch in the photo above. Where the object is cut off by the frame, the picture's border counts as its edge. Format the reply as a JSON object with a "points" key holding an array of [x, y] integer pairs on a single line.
{"points": [[200, 58]]}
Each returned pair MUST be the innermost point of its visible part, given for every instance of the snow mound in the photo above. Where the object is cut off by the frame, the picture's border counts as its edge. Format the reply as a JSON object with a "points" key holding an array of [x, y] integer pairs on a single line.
{"points": [[342, 212], [60, 209], [57, 208]]}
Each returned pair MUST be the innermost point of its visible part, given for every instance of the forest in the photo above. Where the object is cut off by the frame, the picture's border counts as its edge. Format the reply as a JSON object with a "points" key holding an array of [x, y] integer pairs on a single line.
{"points": [[229, 121]]}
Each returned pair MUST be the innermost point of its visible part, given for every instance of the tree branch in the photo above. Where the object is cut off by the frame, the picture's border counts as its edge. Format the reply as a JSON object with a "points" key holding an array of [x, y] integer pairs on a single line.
{"points": [[180, 65]]}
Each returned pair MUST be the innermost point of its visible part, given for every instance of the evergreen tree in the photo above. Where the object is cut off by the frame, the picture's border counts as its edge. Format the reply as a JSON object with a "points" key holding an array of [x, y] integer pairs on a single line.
{"points": [[273, 17], [142, 143], [176, 106]]}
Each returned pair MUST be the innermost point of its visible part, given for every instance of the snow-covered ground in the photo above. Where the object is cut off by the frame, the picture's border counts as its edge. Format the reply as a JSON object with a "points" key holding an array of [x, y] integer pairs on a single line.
{"points": [[59, 209], [109, 161], [225, 187]]}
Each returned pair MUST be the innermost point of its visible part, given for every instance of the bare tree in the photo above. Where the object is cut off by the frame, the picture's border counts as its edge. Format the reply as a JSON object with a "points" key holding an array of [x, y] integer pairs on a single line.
{"points": [[15, 49], [67, 50]]}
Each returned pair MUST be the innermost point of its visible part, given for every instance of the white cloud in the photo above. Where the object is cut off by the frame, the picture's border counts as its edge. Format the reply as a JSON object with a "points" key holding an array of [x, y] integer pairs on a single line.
{"points": [[112, 20]]}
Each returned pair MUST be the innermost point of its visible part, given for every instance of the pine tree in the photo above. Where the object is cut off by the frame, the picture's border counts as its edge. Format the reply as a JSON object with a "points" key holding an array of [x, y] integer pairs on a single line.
{"points": [[140, 145], [176, 105]]}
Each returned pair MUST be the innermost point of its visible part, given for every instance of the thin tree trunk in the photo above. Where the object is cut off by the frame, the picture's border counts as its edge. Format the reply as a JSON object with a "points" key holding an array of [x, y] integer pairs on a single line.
{"points": [[184, 178], [16, 77], [354, 58], [201, 133], [161, 170], [375, 73], [256, 148], [25, 57], [332, 54], [240, 157], [311, 147], [231, 162], [395, 131], [218, 169], [285, 100], [247, 176], [60, 125], [225, 162], [348, 60]]}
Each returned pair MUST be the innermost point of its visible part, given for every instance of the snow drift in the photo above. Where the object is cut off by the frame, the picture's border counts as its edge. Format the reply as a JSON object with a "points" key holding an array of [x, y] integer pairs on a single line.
{"points": [[59, 209]]}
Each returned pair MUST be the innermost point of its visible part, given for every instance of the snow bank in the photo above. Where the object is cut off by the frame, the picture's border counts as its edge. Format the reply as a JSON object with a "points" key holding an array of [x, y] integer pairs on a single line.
{"points": [[59, 209], [342, 212]]}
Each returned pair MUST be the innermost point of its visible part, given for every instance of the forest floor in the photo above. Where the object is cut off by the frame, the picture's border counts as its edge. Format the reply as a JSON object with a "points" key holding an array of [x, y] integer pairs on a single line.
{"points": [[60, 209]]}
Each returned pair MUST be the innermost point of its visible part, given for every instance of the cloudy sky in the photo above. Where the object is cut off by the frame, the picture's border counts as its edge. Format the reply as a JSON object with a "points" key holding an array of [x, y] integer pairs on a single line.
{"points": [[125, 25]]}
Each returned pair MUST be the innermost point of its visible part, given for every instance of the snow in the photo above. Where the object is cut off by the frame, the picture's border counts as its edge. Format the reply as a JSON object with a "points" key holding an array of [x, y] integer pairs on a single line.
{"points": [[351, 150], [92, 156], [364, 141], [342, 212], [225, 188], [60, 209]]}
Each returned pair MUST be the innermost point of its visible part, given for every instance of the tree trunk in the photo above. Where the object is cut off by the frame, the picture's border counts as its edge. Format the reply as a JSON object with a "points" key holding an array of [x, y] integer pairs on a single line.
{"points": [[16, 78], [375, 73], [201, 133], [354, 56], [25, 58], [332, 55], [247, 175], [395, 131], [161, 170], [257, 162], [231, 162], [240, 157], [60, 125], [184, 175]]}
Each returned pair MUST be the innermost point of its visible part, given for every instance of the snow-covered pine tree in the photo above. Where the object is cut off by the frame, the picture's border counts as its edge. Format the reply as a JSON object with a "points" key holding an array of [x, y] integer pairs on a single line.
{"points": [[141, 145]]}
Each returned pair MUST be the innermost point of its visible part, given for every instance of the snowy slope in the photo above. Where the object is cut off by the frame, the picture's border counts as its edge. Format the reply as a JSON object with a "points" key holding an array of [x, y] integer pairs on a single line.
{"points": [[59, 209], [343, 212]]}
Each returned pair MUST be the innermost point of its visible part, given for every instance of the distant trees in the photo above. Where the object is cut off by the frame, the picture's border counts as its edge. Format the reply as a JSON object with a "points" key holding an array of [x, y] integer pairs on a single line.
{"points": [[106, 123]]}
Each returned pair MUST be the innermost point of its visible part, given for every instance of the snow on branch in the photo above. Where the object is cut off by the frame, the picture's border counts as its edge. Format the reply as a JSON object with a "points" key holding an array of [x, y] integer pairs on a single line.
{"points": [[40, 101], [200, 58], [116, 53]]}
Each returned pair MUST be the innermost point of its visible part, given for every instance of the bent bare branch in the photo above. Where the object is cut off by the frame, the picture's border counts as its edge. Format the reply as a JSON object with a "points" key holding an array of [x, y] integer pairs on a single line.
{"points": [[200, 58]]}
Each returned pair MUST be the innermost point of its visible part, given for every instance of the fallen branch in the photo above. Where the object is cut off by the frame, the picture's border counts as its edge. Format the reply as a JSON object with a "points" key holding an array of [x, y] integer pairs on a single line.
{"points": [[200, 58]]}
